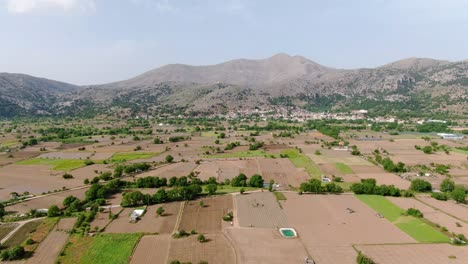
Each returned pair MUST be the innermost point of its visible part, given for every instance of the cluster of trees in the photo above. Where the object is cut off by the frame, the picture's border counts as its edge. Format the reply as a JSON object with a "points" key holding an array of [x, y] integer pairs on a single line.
{"points": [[450, 190], [315, 186], [177, 138], [120, 169], [179, 193], [369, 186], [241, 181], [14, 253], [232, 145], [389, 166], [256, 145], [420, 185]]}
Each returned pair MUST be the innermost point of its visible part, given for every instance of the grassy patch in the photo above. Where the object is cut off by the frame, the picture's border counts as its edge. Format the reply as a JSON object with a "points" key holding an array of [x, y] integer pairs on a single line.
{"points": [[22, 234], [343, 168], [461, 151], [6, 229], [126, 156], [58, 164], [302, 161], [104, 248], [412, 226], [242, 154], [223, 189], [280, 196], [76, 140], [41, 232]]}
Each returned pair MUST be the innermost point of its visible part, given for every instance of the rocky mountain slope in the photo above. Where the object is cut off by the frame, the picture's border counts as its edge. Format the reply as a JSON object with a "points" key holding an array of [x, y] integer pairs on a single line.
{"points": [[280, 81]]}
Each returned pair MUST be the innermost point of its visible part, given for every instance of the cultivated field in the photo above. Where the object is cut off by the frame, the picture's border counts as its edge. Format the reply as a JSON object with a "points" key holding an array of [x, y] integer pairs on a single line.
{"points": [[49, 249], [216, 250], [149, 223], [151, 249], [328, 230], [260, 209], [416, 253], [265, 245], [206, 219]]}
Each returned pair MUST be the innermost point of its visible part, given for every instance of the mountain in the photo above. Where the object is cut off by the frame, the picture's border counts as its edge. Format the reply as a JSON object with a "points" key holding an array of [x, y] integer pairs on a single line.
{"points": [[282, 81], [22, 94]]}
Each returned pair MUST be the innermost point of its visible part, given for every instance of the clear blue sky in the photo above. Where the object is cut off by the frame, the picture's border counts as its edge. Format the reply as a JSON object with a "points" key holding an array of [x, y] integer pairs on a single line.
{"points": [[97, 41]]}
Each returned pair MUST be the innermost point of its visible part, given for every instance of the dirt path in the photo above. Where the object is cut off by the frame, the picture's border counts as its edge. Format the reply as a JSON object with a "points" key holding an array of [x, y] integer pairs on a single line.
{"points": [[20, 224], [50, 248]]}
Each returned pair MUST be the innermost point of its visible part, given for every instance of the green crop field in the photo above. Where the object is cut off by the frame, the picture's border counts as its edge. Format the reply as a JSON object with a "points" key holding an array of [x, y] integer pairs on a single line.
{"points": [[58, 164], [461, 151], [224, 189], [343, 168], [22, 234], [104, 249], [242, 154], [126, 156], [412, 226], [302, 161]]}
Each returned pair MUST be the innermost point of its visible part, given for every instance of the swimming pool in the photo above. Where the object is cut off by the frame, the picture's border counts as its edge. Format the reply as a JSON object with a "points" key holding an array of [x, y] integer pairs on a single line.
{"points": [[288, 232]]}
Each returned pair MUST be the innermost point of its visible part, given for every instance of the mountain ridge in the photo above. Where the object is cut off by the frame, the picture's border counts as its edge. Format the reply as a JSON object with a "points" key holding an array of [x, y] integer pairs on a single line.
{"points": [[278, 81]]}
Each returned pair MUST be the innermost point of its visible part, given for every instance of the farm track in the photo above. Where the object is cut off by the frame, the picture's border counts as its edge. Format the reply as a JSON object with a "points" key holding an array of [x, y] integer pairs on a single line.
{"points": [[20, 224]]}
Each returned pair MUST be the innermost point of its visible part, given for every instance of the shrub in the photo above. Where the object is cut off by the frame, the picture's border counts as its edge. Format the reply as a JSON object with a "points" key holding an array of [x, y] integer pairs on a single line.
{"points": [[459, 195], [414, 212], [228, 217], [201, 238], [440, 196], [363, 259], [447, 185], [420, 185], [67, 176], [53, 211], [169, 158], [14, 253]]}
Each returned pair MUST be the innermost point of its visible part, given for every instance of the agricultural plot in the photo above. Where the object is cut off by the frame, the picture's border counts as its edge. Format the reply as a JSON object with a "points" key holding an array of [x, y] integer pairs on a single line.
{"points": [[128, 156], [459, 211], [216, 250], [262, 245], [172, 170], [242, 154], [22, 234], [416, 253], [260, 210], [302, 161], [226, 169], [104, 248], [324, 222], [414, 227], [206, 218], [5, 229], [65, 155], [17, 156], [452, 224], [89, 172], [151, 249], [149, 222], [56, 164], [49, 249], [45, 202]]}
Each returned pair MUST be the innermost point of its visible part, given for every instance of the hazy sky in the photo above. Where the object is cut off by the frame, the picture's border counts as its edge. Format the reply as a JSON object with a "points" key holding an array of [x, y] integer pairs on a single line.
{"points": [[97, 41]]}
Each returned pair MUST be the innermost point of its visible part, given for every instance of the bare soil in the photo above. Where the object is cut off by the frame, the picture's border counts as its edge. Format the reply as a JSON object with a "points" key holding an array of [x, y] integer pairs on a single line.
{"points": [[328, 230], [207, 219], [416, 253], [260, 209], [151, 249]]}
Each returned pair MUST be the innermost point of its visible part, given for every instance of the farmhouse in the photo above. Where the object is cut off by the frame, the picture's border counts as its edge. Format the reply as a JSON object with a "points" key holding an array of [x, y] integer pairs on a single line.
{"points": [[450, 136]]}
